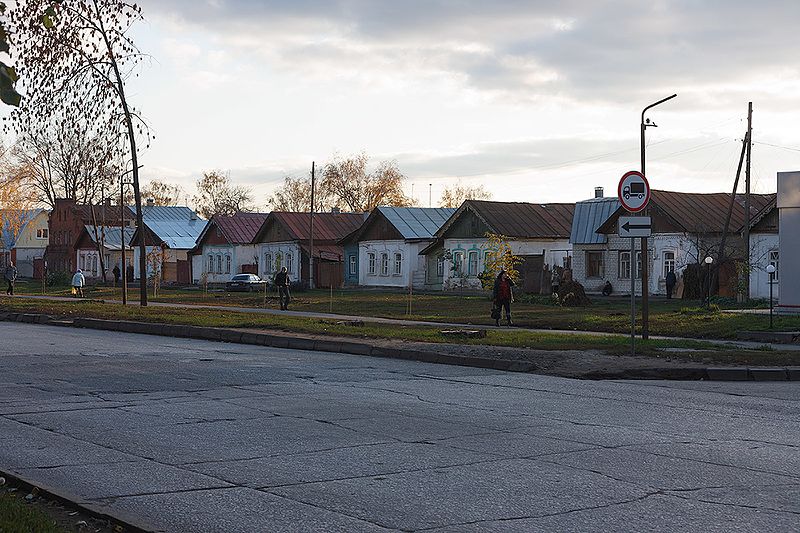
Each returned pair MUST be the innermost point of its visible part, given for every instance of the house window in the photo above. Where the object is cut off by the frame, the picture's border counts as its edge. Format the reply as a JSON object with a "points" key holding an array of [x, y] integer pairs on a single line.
{"points": [[210, 268], [353, 264], [371, 257], [268, 266], [594, 265], [219, 263], [624, 265], [41, 233], [774, 259], [458, 262], [669, 262], [472, 265], [638, 265], [227, 263], [384, 264], [278, 261], [440, 267], [398, 264], [289, 263]]}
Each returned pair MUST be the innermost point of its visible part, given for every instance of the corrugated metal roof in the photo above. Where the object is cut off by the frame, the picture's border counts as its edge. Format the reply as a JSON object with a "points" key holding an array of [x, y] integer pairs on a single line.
{"points": [[589, 216], [112, 238], [7, 237], [327, 226], [163, 213], [177, 234], [417, 222], [706, 213], [108, 214], [240, 228], [525, 220]]}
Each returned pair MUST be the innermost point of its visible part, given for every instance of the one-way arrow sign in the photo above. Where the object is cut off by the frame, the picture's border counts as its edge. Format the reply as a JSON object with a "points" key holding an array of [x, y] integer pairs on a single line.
{"points": [[634, 227]]}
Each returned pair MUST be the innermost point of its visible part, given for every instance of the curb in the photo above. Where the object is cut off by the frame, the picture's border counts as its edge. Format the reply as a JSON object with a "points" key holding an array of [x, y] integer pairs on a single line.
{"points": [[358, 348], [121, 521]]}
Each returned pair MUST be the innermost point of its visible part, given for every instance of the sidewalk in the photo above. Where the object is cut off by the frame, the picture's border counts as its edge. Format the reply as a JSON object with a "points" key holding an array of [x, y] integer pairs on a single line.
{"points": [[402, 322]]}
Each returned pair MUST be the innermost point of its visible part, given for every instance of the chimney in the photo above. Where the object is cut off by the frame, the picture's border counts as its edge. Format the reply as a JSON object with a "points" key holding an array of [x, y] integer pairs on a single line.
{"points": [[150, 202], [598, 192], [335, 210]]}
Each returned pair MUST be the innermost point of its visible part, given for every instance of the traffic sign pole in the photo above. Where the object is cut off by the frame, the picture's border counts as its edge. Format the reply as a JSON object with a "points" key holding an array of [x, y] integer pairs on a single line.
{"points": [[633, 298]]}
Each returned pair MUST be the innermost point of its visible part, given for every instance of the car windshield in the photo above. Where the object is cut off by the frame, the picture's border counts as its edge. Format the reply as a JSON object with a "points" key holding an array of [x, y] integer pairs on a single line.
{"points": [[241, 277]]}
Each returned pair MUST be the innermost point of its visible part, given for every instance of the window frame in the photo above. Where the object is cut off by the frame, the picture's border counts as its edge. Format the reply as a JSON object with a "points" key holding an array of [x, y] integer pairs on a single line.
{"points": [[665, 264], [371, 264], [600, 264], [624, 265], [472, 262], [440, 267], [42, 233], [458, 263], [384, 264], [398, 264], [353, 264]]}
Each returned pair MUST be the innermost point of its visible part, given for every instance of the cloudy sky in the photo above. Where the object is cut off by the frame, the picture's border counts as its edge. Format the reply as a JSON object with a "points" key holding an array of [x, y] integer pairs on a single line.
{"points": [[539, 101]]}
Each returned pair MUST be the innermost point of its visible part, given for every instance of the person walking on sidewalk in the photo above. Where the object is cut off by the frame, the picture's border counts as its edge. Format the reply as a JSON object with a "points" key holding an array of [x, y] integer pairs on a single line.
{"points": [[78, 282], [282, 282], [503, 295], [10, 276]]}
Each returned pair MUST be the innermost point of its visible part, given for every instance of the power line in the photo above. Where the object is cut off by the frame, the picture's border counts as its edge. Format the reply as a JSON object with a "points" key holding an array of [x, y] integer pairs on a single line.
{"points": [[778, 146]]}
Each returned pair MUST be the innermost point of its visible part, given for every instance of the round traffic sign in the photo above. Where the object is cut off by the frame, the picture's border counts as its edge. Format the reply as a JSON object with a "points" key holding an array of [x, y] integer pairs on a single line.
{"points": [[633, 191]]}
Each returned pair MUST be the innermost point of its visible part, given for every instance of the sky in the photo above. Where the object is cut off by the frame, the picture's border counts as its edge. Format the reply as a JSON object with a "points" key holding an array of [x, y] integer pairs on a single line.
{"points": [[538, 101]]}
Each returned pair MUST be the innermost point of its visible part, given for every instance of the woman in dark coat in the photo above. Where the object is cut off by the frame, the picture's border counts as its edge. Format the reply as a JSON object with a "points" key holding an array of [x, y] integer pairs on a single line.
{"points": [[503, 295]]}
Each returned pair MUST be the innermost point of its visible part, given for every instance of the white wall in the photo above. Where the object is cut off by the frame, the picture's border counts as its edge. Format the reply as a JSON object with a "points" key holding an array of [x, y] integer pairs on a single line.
{"points": [[411, 263], [284, 249], [555, 251], [761, 244], [239, 255]]}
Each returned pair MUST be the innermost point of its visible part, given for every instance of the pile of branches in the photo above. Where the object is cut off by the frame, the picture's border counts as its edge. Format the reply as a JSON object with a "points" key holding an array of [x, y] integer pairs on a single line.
{"points": [[571, 294]]}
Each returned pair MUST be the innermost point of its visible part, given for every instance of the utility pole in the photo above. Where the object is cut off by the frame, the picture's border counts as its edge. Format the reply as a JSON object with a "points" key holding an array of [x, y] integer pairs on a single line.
{"points": [[311, 232], [645, 266], [122, 240], [747, 202], [430, 195]]}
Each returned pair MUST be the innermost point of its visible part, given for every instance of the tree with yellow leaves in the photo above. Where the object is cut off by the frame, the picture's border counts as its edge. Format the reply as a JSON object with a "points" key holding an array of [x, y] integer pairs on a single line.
{"points": [[500, 256]]}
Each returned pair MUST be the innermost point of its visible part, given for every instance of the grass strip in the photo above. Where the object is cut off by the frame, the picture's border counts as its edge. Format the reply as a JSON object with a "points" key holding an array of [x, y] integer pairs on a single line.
{"points": [[17, 516]]}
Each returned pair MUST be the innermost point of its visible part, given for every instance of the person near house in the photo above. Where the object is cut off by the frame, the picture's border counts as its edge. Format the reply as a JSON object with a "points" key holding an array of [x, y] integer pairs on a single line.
{"points": [[10, 276], [282, 282], [129, 273], [555, 280], [607, 289], [78, 282], [671, 280], [503, 295], [117, 273]]}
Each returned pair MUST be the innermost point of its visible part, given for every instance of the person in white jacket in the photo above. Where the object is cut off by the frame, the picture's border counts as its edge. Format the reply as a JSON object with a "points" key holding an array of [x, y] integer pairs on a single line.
{"points": [[78, 282]]}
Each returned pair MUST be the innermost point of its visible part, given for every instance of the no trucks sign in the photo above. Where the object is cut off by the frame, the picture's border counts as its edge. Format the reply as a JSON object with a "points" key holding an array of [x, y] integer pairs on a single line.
{"points": [[633, 191]]}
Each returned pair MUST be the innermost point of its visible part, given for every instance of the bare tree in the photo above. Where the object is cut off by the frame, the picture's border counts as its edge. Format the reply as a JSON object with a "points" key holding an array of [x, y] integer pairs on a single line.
{"points": [[454, 196], [162, 193], [348, 184], [75, 57], [216, 195], [295, 196]]}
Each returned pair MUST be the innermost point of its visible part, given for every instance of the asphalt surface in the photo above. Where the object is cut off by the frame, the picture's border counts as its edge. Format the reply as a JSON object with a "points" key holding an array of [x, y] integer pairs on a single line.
{"points": [[180, 435]]}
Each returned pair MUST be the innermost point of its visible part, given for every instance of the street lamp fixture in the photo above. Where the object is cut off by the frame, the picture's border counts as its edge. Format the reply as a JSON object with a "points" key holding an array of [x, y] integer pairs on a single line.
{"points": [[708, 260], [771, 272]]}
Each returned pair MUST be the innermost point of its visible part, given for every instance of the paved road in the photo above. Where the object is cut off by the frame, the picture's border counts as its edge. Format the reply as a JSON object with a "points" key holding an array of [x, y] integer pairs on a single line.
{"points": [[402, 322], [200, 436]]}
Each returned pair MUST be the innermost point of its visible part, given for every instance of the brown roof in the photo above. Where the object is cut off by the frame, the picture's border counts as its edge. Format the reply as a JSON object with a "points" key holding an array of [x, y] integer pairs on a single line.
{"points": [[521, 220], [700, 212], [110, 213], [327, 226], [240, 228]]}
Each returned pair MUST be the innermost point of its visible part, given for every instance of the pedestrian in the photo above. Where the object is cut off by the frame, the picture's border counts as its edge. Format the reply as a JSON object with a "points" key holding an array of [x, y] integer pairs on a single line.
{"points": [[282, 281], [129, 273], [607, 289], [672, 280], [117, 273], [78, 282], [503, 295], [555, 280], [10, 276]]}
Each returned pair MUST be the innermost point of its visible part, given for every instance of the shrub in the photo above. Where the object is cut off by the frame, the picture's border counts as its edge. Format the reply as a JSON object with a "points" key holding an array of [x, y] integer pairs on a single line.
{"points": [[55, 279]]}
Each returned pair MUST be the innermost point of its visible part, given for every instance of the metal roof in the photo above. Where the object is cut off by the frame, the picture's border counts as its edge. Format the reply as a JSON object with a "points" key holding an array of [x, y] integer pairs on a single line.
{"points": [[7, 240], [417, 222], [327, 226], [152, 213], [112, 237], [240, 228], [589, 216], [519, 219], [175, 233]]}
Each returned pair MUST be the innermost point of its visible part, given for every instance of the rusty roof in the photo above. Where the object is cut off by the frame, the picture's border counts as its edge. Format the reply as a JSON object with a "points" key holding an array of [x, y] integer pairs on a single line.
{"points": [[520, 220], [327, 226], [700, 212], [111, 214], [240, 228]]}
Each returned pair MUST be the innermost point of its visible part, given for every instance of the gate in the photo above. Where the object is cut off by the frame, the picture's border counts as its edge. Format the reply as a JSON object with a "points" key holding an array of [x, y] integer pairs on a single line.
{"points": [[530, 271], [183, 274]]}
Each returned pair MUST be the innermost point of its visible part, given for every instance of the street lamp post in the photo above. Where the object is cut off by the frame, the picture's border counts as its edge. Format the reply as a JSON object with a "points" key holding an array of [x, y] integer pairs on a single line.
{"points": [[708, 260], [771, 272], [645, 288]]}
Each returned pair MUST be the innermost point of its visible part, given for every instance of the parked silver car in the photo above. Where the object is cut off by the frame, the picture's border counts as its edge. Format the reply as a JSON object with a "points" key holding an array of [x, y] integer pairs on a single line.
{"points": [[245, 282]]}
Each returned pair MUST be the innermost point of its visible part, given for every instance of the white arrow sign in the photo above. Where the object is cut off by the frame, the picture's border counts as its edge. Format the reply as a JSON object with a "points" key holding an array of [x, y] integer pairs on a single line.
{"points": [[635, 227]]}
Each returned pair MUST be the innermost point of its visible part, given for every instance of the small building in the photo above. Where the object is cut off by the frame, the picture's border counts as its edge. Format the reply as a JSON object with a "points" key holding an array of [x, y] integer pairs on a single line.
{"points": [[109, 240], [284, 240], [686, 228], [24, 241], [764, 251], [537, 233], [226, 246], [169, 233], [385, 250], [788, 203]]}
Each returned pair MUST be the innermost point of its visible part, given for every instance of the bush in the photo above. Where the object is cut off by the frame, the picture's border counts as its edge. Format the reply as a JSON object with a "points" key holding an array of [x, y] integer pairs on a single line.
{"points": [[55, 279]]}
